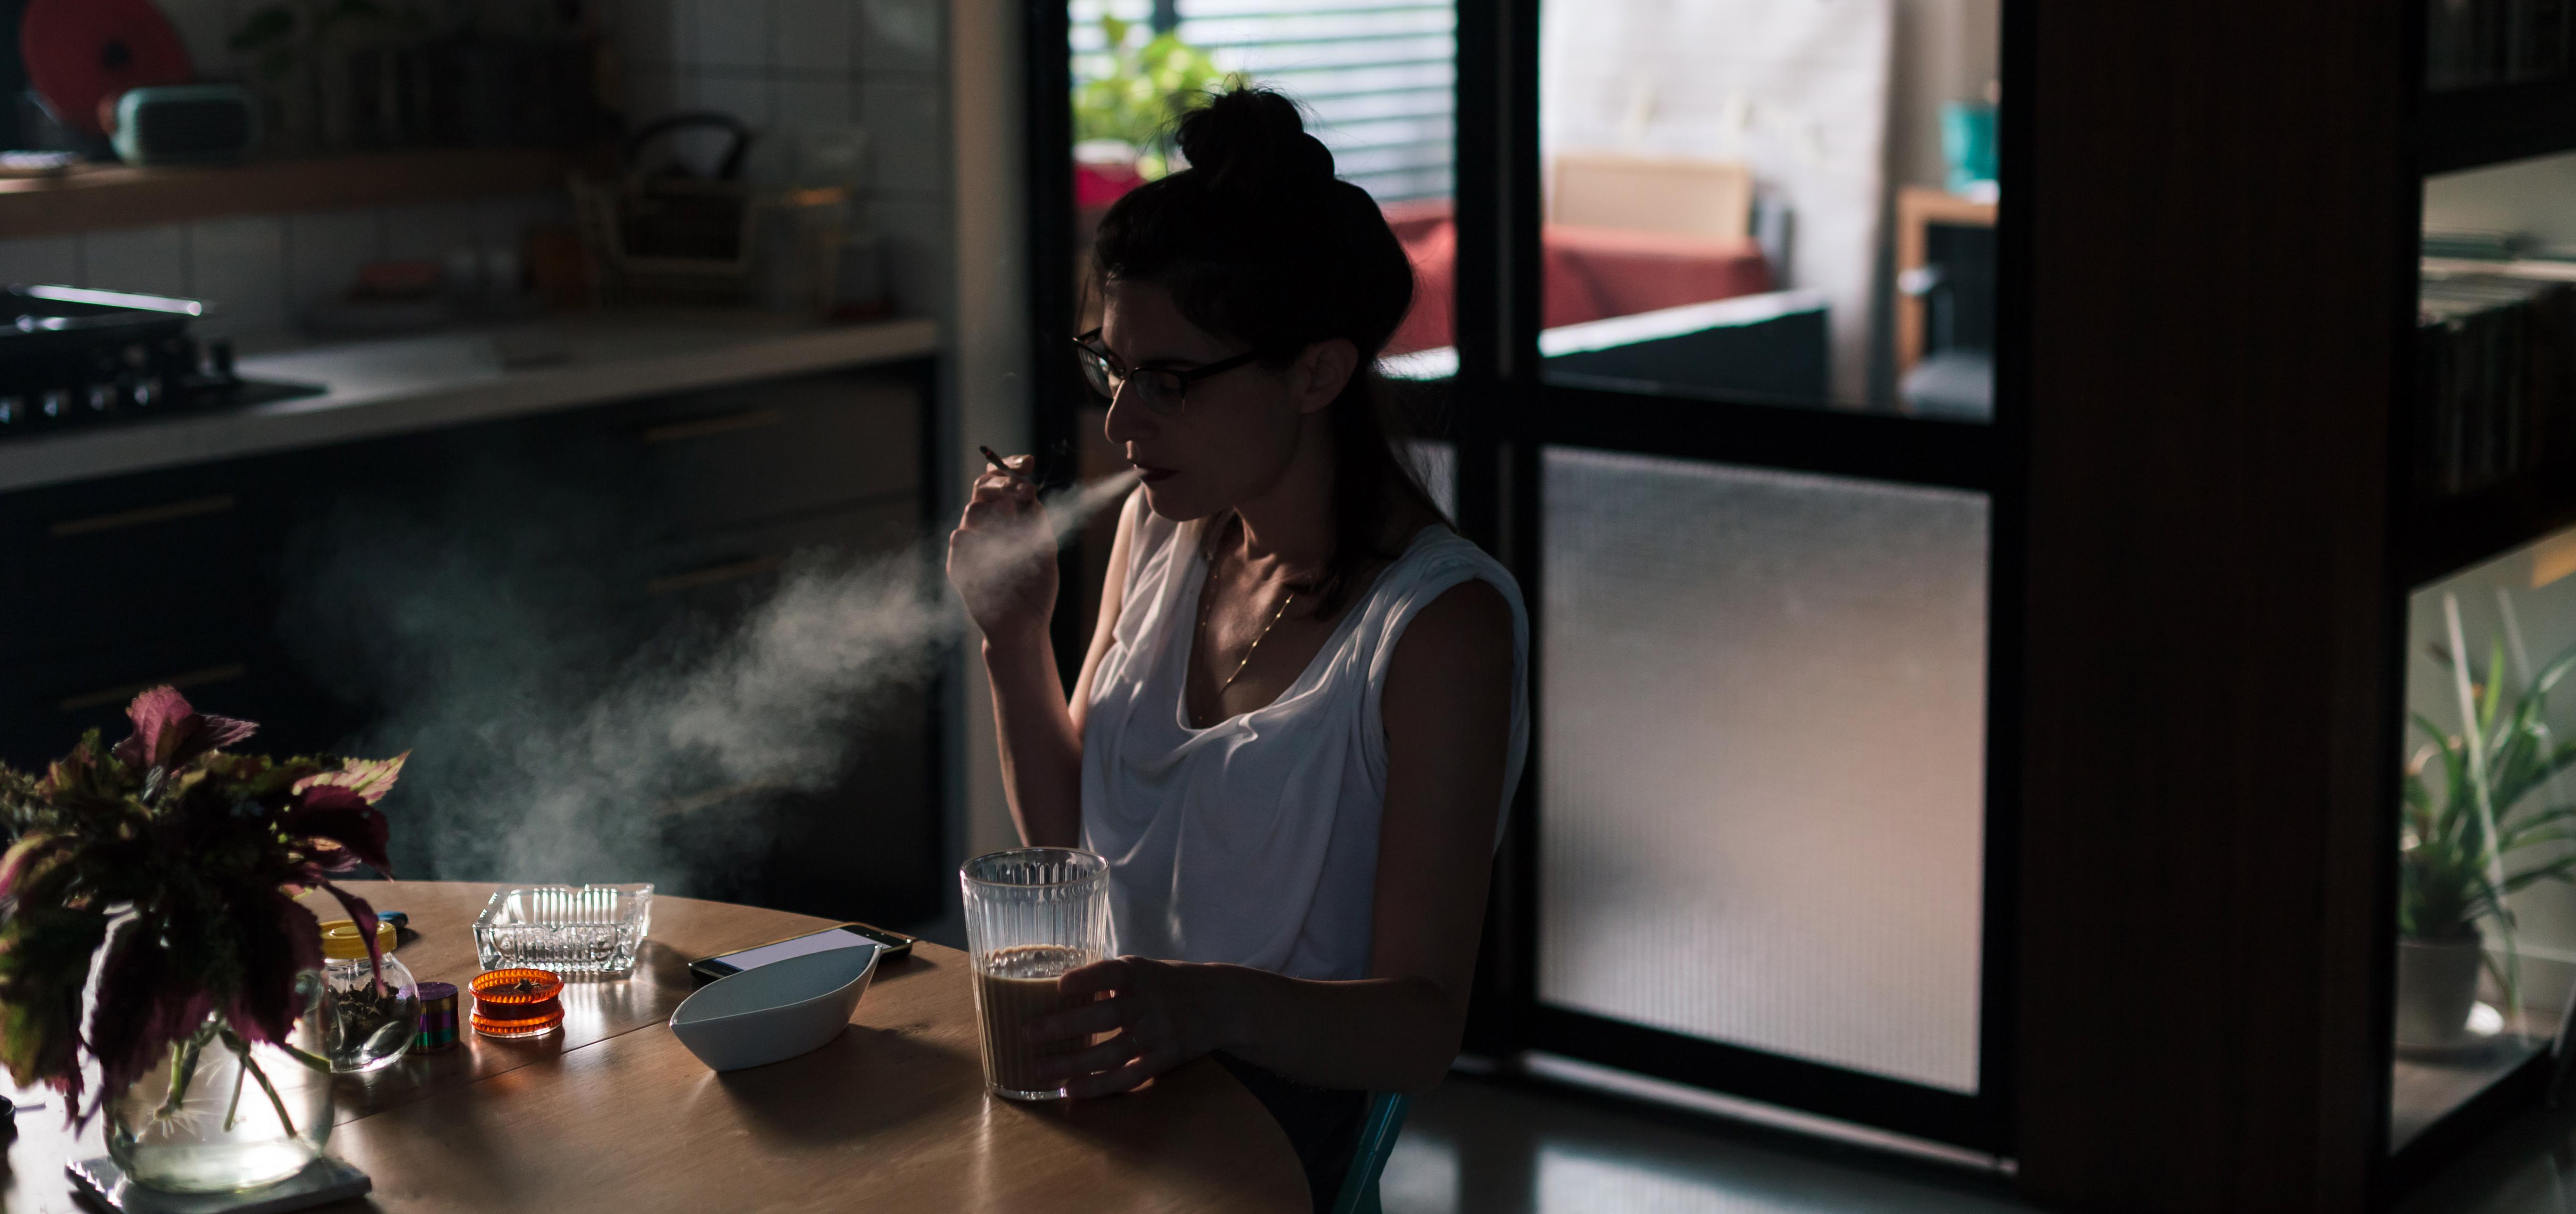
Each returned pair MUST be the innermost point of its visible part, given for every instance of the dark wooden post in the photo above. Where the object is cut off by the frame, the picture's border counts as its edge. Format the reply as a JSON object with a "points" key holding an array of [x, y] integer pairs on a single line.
{"points": [[2213, 205]]}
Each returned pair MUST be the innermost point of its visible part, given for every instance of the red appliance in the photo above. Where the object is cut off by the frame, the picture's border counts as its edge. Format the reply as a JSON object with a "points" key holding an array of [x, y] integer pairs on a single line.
{"points": [[83, 54]]}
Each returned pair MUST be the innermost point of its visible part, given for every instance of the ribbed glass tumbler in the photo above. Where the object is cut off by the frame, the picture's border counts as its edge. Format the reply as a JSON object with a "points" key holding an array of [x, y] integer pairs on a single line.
{"points": [[1032, 915]]}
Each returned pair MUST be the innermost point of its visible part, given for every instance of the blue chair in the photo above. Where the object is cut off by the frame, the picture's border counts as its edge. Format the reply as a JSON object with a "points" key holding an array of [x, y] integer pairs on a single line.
{"points": [[1377, 1140]]}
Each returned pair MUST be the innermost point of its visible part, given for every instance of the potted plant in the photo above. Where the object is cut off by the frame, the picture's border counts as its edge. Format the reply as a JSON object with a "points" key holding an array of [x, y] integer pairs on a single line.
{"points": [[2463, 854], [171, 867], [1122, 119]]}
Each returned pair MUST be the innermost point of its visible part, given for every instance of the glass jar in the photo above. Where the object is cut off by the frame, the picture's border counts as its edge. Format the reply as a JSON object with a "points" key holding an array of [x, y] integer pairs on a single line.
{"points": [[202, 1122], [365, 1025]]}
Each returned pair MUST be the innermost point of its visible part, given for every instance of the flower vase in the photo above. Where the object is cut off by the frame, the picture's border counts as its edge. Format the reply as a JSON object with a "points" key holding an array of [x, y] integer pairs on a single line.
{"points": [[203, 1122]]}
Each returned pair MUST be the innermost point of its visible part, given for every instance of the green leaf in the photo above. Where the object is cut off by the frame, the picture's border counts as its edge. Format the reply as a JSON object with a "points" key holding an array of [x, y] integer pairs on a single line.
{"points": [[2493, 692], [2556, 669]]}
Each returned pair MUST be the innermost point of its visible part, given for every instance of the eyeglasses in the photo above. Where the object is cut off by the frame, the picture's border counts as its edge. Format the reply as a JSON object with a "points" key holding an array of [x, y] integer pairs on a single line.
{"points": [[1161, 390]]}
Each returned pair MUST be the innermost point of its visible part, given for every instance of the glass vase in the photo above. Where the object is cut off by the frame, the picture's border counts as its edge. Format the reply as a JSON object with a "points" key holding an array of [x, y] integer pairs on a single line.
{"points": [[202, 1122]]}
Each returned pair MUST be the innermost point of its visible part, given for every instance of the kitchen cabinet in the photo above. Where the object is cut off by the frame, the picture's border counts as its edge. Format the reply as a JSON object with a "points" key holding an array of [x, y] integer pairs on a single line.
{"points": [[596, 540]]}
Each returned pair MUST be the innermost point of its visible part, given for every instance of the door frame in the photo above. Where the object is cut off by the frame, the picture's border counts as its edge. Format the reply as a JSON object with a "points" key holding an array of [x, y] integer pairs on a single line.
{"points": [[1503, 414]]}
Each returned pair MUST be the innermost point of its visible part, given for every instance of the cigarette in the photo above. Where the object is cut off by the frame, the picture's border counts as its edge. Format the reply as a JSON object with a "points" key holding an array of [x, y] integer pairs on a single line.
{"points": [[999, 466]]}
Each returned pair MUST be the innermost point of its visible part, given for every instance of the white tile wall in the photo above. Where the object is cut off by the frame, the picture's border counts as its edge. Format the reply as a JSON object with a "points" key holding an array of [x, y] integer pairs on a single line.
{"points": [[503, 223], [238, 266], [153, 261], [206, 26], [910, 149], [729, 33], [41, 259], [745, 95], [919, 264], [825, 100], [430, 231], [324, 250], [812, 36], [778, 64], [880, 64], [650, 32], [903, 36]]}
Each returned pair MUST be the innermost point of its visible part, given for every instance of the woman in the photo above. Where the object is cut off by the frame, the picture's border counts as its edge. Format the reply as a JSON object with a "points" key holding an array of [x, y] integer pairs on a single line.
{"points": [[1302, 711]]}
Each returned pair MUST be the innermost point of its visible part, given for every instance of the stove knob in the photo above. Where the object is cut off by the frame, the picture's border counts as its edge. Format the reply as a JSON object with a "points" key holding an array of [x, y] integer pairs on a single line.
{"points": [[56, 402], [13, 410]]}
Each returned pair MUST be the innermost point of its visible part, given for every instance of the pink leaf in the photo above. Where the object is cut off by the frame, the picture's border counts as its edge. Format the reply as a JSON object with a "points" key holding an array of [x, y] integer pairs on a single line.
{"points": [[168, 731], [157, 714], [275, 947], [342, 818], [369, 778], [147, 1000]]}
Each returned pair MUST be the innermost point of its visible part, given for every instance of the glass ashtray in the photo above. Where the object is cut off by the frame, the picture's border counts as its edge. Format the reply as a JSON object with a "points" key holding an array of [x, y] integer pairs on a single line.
{"points": [[569, 929]]}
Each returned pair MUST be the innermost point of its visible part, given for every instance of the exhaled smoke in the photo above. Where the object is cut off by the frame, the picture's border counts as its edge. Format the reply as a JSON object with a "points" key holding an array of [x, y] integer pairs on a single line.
{"points": [[561, 732]]}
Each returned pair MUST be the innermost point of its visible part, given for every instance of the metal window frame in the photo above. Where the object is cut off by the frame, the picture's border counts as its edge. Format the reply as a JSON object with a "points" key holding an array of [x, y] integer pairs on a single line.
{"points": [[1497, 310], [1516, 414]]}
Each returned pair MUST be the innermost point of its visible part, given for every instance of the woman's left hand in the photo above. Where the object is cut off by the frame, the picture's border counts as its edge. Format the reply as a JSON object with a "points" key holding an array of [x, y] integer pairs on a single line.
{"points": [[1158, 1010]]}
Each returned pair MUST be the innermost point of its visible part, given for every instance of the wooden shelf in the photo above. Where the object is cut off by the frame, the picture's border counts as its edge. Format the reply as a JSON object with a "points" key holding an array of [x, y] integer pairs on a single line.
{"points": [[2470, 128], [2450, 534], [118, 196]]}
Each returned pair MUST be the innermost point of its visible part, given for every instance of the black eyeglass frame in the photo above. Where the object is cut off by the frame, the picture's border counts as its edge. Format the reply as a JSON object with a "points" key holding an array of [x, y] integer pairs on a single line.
{"points": [[1107, 365]]}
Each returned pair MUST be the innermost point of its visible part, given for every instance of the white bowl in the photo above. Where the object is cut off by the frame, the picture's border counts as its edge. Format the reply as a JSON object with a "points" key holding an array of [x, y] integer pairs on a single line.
{"points": [[776, 1011]]}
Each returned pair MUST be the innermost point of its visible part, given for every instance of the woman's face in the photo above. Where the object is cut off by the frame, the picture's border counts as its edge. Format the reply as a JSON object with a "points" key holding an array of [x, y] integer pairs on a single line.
{"points": [[1239, 430]]}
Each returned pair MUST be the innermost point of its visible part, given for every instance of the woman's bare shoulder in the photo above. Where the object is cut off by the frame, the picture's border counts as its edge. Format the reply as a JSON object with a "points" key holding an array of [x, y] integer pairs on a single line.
{"points": [[1463, 632]]}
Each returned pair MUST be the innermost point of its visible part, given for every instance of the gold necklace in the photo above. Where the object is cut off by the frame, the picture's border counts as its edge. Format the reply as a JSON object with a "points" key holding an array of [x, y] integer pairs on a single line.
{"points": [[1207, 604]]}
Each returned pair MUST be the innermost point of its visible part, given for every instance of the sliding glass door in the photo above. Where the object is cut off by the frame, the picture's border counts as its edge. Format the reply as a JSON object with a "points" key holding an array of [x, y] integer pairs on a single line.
{"points": [[1742, 451], [1709, 296]]}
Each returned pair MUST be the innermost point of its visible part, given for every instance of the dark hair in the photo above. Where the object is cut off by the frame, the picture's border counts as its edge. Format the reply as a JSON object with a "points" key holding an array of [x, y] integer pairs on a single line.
{"points": [[1259, 242]]}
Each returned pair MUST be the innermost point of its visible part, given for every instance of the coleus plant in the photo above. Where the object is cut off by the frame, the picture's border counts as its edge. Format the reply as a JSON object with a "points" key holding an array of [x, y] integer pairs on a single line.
{"points": [[184, 860]]}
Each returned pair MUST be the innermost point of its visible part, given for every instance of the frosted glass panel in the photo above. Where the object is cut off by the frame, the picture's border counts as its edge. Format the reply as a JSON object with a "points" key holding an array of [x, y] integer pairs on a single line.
{"points": [[1762, 804]]}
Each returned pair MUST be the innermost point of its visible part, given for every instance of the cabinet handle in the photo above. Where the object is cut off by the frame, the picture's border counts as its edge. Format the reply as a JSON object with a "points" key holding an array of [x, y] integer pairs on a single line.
{"points": [[714, 575], [679, 432], [172, 512], [117, 695]]}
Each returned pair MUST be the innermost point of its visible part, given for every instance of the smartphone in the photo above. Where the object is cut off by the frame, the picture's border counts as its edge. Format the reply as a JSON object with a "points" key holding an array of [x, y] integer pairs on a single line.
{"points": [[893, 945]]}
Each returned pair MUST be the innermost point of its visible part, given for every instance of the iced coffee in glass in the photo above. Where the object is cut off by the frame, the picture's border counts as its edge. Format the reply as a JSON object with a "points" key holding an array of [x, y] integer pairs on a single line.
{"points": [[1032, 915]]}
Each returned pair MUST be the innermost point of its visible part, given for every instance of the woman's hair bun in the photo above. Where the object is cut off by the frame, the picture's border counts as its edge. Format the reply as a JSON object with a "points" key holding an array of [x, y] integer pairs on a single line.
{"points": [[1253, 135]]}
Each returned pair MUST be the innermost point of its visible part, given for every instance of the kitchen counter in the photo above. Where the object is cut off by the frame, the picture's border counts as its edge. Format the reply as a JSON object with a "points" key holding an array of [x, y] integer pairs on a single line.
{"points": [[400, 385]]}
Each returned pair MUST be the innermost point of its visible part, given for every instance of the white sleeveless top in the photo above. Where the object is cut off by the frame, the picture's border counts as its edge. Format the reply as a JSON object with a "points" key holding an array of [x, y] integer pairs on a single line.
{"points": [[1254, 841]]}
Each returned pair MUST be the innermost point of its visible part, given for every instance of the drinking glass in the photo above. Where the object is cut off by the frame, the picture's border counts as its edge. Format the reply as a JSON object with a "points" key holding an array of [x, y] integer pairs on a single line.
{"points": [[1032, 915]]}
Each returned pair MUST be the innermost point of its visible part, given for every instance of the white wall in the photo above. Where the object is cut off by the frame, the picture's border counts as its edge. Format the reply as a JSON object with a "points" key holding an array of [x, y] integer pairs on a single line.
{"points": [[991, 340], [1946, 50], [259, 272], [881, 64], [1798, 89], [781, 64], [2534, 197]]}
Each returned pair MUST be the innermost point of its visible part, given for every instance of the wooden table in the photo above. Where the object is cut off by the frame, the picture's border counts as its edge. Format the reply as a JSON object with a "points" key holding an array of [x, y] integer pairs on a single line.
{"points": [[614, 1115]]}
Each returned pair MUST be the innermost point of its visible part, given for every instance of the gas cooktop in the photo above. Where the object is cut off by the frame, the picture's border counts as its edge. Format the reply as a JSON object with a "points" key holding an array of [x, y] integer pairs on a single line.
{"points": [[77, 359]]}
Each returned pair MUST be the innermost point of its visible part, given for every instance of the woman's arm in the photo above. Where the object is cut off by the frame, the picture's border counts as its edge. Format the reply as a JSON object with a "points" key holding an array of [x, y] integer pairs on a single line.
{"points": [[994, 560], [1447, 708]]}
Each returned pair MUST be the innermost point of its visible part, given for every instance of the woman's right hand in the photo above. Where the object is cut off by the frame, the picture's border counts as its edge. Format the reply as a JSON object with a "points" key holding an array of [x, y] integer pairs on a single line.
{"points": [[1001, 558]]}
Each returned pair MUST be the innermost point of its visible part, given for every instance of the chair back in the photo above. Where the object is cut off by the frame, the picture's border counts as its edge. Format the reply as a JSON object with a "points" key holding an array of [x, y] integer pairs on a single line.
{"points": [[1378, 1129], [1652, 194]]}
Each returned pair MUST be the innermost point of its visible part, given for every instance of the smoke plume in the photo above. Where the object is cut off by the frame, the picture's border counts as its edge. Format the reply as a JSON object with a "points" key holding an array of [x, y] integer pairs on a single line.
{"points": [[559, 736]]}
